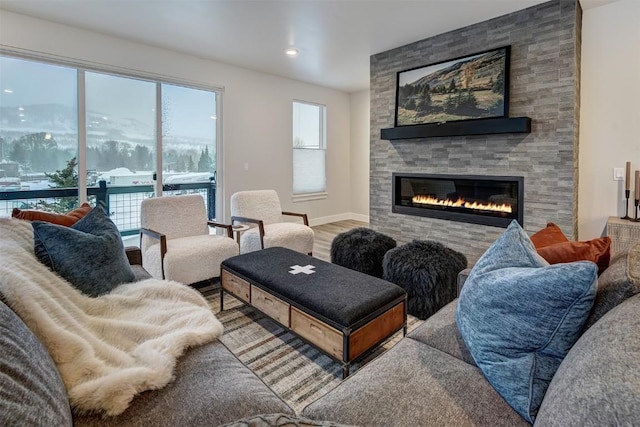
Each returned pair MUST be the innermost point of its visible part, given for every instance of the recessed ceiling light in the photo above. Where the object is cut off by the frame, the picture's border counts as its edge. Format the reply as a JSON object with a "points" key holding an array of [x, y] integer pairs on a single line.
{"points": [[292, 52]]}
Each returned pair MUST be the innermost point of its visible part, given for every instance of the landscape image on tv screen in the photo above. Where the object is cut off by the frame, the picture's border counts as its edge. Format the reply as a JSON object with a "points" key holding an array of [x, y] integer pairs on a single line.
{"points": [[467, 88]]}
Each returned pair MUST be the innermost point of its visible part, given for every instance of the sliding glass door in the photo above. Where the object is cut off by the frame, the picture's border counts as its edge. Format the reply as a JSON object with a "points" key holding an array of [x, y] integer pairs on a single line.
{"points": [[64, 126]]}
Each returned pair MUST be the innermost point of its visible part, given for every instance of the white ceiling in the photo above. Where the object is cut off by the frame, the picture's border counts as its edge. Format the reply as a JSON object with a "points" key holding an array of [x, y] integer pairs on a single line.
{"points": [[335, 37]]}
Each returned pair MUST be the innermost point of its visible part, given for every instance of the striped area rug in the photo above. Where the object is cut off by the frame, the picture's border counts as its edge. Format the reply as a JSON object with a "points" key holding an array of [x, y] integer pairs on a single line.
{"points": [[298, 372]]}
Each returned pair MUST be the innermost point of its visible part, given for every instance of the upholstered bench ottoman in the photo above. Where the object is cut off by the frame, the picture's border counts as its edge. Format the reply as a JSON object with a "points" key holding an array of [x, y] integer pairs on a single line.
{"points": [[343, 312], [361, 249], [427, 271]]}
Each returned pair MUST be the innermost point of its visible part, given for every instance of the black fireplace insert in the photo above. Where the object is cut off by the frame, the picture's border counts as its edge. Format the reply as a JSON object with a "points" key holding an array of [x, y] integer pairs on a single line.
{"points": [[476, 199]]}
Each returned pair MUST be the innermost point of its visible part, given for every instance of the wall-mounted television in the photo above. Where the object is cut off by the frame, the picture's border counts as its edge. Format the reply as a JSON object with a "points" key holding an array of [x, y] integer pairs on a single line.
{"points": [[467, 88]]}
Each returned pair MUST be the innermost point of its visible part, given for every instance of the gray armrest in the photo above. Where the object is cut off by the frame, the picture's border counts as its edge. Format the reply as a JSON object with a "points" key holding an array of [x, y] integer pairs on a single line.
{"points": [[462, 277]]}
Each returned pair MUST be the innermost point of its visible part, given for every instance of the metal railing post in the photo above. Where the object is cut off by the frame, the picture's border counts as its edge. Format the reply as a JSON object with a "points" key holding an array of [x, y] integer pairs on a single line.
{"points": [[211, 198], [102, 198]]}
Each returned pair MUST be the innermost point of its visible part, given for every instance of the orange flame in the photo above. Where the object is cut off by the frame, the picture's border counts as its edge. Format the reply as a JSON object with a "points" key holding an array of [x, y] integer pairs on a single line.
{"points": [[461, 203]]}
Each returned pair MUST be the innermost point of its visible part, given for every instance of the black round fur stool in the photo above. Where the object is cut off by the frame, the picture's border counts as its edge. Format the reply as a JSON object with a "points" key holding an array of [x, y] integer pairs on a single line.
{"points": [[361, 249], [427, 271]]}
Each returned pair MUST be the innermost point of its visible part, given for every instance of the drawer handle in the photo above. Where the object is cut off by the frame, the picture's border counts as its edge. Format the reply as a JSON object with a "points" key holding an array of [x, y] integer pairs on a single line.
{"points": [[269, 300], [316, 329]]}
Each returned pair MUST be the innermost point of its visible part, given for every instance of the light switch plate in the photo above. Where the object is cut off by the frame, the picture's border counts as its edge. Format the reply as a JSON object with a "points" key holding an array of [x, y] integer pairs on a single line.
{"points": [[618, 174]]}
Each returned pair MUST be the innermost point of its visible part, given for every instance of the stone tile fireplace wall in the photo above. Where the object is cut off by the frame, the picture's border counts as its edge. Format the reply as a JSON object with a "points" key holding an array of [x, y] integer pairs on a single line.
{"points": [[545, 76]]}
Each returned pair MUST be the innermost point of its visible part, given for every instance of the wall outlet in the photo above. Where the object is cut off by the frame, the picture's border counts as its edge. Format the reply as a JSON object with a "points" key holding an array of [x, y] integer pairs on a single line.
{"points": [[618, 174]]}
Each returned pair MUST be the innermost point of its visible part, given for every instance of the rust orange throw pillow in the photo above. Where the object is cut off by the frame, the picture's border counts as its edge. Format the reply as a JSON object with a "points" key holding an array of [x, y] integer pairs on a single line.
{"points": [[67, 219], [596, 250], [549, 235], [553, 246]]}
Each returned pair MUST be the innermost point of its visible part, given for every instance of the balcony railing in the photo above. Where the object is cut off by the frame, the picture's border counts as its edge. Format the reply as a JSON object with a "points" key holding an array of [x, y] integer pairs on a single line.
{"points": [[121, 202]]}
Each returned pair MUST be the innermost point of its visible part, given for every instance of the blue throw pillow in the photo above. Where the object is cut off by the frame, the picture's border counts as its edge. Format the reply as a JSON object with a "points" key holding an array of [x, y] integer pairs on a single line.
{"points": [[520, 316], [89, 254]]}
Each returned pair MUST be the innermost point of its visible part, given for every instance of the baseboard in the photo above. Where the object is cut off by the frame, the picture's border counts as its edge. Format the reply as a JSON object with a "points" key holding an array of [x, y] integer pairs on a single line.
{"points": [[360, 217], [340, 217]]}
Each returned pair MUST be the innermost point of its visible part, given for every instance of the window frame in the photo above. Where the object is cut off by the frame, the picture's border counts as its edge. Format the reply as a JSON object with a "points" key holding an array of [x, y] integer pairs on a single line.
{"points": [[158, 79]]}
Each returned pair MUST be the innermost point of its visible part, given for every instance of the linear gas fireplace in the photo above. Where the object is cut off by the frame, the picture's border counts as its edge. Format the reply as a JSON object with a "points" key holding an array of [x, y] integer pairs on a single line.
{"points": [[477, 199]]}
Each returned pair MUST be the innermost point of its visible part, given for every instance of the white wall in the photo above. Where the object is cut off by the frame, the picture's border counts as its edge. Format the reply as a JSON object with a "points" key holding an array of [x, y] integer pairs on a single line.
{"points": [[257, 112], [609, 113], [360, 125]]}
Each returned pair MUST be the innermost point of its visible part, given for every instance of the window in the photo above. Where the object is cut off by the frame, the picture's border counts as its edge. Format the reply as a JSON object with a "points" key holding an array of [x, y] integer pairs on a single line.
{"points": [[62, 123], [38, 132], [309, 150], [121, 140], [121, 133], [189, 123]]}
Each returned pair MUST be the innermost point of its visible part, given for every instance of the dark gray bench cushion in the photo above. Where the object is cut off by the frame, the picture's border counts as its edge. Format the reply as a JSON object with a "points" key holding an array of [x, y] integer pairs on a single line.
{"points": [[598, 383], [414, 384], [212, 387], [340, 295]]}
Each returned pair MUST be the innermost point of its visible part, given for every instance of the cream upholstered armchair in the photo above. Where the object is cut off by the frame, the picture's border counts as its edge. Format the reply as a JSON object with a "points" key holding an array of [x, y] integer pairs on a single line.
{"points": [[176, 243], [262, 212]]}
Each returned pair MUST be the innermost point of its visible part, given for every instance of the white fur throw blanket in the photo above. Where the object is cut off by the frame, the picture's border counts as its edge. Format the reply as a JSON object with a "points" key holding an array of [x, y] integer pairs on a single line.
{"points": [[110, 348]]}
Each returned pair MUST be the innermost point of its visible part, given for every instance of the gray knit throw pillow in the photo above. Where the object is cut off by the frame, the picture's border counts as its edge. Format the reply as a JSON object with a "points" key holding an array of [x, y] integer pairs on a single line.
{"points": [[89, 254]]}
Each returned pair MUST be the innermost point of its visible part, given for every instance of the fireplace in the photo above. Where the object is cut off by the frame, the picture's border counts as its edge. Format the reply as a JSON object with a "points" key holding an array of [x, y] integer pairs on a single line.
{"points": [[477, 199]]}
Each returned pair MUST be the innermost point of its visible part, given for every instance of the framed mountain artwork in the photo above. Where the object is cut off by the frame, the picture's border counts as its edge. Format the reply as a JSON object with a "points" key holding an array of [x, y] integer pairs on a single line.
{"points": [[466, 88]]}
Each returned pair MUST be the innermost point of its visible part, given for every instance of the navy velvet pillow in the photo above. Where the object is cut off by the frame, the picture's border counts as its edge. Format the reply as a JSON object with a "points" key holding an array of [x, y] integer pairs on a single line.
{"points": [[520, 316], [89, 254]]}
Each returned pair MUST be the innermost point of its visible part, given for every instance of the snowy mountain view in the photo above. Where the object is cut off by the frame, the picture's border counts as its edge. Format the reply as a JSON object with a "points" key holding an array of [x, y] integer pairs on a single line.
{"points": [[112, 142]]}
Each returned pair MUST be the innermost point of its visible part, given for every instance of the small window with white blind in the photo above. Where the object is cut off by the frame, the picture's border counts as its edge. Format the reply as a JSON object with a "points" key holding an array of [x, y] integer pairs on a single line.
{"points": [[309, 151]]}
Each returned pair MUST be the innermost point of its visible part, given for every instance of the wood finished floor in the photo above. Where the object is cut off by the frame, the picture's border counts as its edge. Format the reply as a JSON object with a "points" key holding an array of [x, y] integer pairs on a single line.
{"points": [[325, 233]]}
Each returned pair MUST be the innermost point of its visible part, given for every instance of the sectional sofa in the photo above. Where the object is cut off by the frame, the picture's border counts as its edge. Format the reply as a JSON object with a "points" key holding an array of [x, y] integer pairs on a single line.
{"points": [[428, 379]]}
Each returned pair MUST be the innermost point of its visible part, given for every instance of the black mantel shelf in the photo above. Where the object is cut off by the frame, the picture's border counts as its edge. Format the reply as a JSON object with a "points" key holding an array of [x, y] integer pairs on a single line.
{"points": [[460, 128]]}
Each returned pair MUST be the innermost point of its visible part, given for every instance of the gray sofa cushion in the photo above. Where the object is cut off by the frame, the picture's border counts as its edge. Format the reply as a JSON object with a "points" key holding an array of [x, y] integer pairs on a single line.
{"points": [[598, 383], [31, 390], [617, 283], [211, 387], [441, 332], [414, 384]]}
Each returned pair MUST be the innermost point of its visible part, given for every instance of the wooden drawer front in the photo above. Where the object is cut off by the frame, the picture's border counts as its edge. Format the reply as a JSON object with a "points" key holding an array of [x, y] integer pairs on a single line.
{"points": [[376, 330], [236, 286], [317, 332], [270, 305]]}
